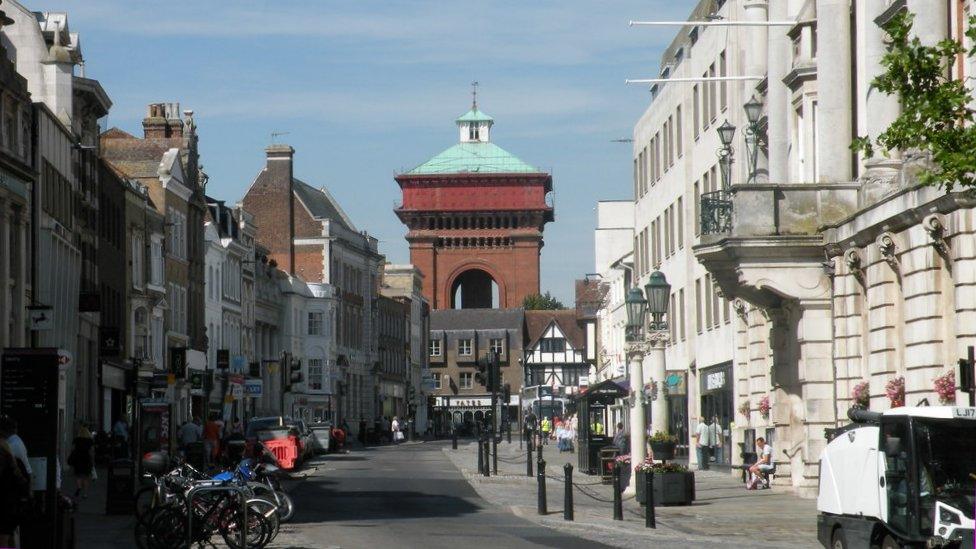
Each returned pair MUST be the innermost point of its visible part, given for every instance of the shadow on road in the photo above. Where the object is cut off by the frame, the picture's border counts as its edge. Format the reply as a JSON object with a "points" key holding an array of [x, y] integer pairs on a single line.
{"points": [[380, 505]]}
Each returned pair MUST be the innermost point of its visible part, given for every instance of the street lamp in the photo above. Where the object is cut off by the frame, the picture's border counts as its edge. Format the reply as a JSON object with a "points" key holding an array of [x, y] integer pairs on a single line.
{"points": [[726, 132], [641, 343], [658, 293], [753, 110]]}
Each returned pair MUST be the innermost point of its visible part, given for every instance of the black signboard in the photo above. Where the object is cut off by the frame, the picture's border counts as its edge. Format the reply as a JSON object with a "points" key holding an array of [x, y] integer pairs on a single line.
{"points": [[200, 379], [254, 370], [223, 359], [29, 394], [109, 341], [177, 361]]}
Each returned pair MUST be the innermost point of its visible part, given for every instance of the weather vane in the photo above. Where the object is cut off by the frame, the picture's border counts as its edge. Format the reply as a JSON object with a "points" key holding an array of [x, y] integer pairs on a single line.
{"points": [[474, 94]]}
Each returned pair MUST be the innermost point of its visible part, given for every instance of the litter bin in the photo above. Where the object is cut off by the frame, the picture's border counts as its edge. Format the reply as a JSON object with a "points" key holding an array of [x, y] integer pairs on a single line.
{"points": [[608, 455], [196, 455], [120, 486]]}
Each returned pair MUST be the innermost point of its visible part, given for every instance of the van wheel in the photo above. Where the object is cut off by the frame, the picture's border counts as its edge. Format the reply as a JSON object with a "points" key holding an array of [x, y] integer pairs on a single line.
{"points": [[890, 543], [838, 540]]}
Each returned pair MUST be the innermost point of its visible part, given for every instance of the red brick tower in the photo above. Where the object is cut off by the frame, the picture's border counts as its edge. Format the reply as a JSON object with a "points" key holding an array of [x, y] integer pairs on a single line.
{"points": [[475, 215]]}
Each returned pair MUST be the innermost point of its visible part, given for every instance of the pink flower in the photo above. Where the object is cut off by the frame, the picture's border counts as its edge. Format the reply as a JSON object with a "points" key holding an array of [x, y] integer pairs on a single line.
{"points": [[945, 387], [764, 406], [861, 395], [895, 390]]}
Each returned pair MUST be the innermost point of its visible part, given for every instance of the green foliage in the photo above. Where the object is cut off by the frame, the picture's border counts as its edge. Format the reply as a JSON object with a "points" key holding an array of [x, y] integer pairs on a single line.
{"points": [[661, 436], [935, 117], [538, 302]]}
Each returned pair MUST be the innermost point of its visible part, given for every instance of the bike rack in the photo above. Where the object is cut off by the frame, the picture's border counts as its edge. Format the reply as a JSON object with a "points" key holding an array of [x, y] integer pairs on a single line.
{"points": [[241, 493]]}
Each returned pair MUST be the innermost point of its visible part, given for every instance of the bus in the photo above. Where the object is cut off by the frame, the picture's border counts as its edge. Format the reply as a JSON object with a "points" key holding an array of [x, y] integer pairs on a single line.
{"points": [[541, 400]]}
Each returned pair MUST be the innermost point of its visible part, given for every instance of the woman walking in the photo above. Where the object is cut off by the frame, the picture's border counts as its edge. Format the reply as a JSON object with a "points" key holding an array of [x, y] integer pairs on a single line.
{"points": [[82, 461]]}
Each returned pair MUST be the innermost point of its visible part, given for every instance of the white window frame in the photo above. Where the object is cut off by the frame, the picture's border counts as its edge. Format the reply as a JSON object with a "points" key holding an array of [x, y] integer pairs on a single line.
{"points": [[316, 323], [156, 261], [469, 376], [138, 261], [436, 348], [316, 370], [497, 345], [465, 347]]}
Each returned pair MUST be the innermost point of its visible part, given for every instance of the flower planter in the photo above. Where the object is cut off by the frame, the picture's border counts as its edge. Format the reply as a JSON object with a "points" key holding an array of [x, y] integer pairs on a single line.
{"points": [[669, 488], [663, 450]]}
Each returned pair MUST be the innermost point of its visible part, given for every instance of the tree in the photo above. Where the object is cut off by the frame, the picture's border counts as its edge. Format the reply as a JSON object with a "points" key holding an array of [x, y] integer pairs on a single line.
{"points": [[538, 302], [935, 117]]}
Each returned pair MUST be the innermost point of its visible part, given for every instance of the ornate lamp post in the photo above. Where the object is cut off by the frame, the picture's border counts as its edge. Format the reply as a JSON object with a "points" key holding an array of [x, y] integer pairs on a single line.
{"points": [[636, 307], [726, 132], [753, 110], [641, 343]]}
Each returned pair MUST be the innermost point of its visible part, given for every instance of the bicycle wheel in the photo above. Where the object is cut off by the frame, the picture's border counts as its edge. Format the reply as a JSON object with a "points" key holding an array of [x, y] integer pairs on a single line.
{"points": [[231, 528], [146, 499], [286, 508], [167, 528], [269, 510]]}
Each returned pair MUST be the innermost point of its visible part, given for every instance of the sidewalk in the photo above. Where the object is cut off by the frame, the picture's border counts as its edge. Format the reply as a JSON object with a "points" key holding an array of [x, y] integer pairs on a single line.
{"points": [[93, 528], [723, 508]]}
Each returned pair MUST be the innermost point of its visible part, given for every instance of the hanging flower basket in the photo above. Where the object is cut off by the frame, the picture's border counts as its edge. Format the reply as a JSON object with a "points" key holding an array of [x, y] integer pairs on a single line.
{"points": [[861, 395], [764, 407], [945, 387], [895, 389], [745, 408]]}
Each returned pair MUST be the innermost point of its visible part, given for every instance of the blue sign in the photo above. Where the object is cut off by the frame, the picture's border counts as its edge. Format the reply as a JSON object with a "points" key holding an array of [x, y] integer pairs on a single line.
{"points": [[253, 387]]}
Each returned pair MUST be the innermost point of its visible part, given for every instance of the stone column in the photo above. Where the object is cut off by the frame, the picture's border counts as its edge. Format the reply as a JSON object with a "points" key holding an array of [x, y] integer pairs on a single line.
{"points": [[758, 37], [6, 307], [636, 350], [879, 174], [659, 406], [834, 90], [777, 95], [19, 304]]}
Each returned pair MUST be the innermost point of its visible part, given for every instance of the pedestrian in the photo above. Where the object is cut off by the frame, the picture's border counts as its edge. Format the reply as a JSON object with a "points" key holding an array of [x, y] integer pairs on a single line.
{"points": [[703, 443], [620, 439], [531, 422], [8, 432], [189, 433], [361, 435], [120, 432], [715, 438], [395, 427], [546, 429], [15, 496], [211, 438], [759, 471], [81, 460]]}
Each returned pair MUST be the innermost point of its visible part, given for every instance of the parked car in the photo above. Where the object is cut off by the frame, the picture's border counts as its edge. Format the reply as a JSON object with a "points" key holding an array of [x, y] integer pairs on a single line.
{"points": [[280, 435], [321, 437]]}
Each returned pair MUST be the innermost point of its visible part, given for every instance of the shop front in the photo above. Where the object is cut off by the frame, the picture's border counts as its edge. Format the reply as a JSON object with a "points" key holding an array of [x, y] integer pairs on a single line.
{"points": [[676, 393], [716, 405]]}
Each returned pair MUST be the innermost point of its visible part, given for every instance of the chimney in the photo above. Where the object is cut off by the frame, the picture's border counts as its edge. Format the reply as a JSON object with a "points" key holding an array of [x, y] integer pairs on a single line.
{"points": [[276, 201], [162, 121]]}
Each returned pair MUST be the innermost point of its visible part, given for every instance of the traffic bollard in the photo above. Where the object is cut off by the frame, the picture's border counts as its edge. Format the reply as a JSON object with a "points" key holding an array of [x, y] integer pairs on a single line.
{"points": [[618, 504], [453, 439], [568, 492], [650, 521], [508, 431], [481, 458], [542, 488], [494, 455], [487, 459], [528, 461]]}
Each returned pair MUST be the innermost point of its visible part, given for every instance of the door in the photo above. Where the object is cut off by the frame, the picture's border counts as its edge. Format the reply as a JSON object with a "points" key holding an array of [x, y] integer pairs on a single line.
{"points": [[898, 479]]}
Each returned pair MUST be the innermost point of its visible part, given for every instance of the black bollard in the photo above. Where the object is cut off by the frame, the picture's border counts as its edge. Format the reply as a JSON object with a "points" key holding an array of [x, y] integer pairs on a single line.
{"points": [[618, 504], [508, 431], [528, 460], [650, 521], [538, 450], [542, 488], [568, 492], [481, 458], [453, 439], [487, 459], [494, 455]]}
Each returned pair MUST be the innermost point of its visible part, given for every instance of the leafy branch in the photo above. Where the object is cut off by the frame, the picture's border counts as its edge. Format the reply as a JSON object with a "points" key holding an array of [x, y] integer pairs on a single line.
{"points": [[936, 117]]}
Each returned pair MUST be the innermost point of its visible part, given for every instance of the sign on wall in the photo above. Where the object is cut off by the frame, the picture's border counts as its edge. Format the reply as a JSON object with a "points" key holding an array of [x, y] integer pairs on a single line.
{"points": [[253, 387]]}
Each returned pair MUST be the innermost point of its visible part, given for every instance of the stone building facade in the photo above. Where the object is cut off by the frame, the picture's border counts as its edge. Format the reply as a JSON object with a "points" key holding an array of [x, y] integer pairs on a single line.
{"points": [[475, 216], [842, 269]]}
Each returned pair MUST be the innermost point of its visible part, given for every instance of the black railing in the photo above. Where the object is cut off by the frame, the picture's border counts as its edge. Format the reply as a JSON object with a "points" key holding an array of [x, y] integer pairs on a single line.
{"points": [[716, 212]]}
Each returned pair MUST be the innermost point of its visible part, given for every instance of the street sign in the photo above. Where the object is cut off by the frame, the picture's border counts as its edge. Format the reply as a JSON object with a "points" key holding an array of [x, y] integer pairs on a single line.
{"points": [[41, 318], [253, 387], [238, 364]]}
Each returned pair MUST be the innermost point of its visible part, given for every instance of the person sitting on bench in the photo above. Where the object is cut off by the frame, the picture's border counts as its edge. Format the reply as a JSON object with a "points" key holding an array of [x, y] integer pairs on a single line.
{"points": [[761, 469]]}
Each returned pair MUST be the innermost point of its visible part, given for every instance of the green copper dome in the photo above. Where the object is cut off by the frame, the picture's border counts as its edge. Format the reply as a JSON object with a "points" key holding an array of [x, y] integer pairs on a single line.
{"points": [[474, 115], [474, 157]]}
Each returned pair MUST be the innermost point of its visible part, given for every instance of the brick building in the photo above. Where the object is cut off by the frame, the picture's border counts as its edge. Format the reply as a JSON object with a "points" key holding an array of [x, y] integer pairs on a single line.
{"points": [[475, 215], [309, 236]]}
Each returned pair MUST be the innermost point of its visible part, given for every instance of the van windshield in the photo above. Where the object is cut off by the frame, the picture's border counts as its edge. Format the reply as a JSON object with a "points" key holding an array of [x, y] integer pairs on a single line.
{"points": [[946, 457]]}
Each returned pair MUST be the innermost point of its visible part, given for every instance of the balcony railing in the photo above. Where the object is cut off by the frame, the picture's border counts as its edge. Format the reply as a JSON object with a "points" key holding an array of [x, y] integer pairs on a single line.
{"points": [[716, 212]]}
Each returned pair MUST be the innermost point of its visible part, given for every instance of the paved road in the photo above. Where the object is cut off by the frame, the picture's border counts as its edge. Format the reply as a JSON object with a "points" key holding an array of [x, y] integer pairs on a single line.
{"points": [[404, 496]]}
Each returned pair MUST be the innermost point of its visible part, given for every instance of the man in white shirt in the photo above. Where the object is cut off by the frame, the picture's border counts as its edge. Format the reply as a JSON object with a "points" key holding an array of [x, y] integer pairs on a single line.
{"points": [[763, 466], [703, 443], [8, 431]]}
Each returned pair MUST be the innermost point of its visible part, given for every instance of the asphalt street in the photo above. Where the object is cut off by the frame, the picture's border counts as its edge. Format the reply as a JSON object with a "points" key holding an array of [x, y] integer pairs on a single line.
{"points": [[404, 496]]}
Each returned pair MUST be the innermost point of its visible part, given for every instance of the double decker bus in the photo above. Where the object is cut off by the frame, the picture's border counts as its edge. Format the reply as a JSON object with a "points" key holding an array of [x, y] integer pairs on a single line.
{"points": [[543, 401]]}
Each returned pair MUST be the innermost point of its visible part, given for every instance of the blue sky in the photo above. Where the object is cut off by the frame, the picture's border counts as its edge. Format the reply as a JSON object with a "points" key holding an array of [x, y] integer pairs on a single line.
{"points": [[369, 89]]}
